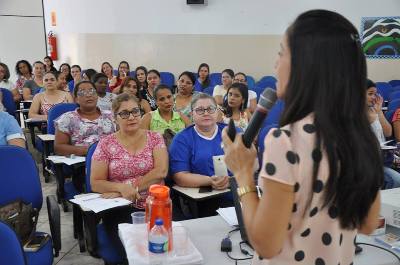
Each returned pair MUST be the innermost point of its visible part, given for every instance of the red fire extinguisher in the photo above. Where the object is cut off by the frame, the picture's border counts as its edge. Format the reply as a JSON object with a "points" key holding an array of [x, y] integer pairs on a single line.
{"points": [[52, 46]]}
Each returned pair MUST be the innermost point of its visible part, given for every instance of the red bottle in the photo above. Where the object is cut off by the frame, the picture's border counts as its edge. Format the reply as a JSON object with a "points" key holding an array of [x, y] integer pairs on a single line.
{"points": [[159, 205]]}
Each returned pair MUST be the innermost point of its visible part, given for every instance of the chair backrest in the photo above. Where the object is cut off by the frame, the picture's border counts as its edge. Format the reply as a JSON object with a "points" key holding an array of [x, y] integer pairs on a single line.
{"points": [[267, 81], [19, 177], [394, 104], [88, 164], [384, 89], [274, 114], [216, 78], [389, 115], [56, 112], [11, 248], [250, 82], [394, 83], [8, 101], [167, 78], [395, 94]]}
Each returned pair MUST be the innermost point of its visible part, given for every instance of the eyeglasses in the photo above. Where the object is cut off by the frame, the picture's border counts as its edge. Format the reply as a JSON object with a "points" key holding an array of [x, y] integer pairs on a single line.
{"points": [[210, 110], [87, 93], [125, 113]]}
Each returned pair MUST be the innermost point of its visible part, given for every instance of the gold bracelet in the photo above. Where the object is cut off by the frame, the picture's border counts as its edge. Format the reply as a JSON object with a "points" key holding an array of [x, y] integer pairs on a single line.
{"points": [[244, 190]]}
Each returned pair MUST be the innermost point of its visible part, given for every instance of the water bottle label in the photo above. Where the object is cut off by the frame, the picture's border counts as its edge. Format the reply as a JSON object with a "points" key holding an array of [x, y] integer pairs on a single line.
{"points": [[158, 247]]}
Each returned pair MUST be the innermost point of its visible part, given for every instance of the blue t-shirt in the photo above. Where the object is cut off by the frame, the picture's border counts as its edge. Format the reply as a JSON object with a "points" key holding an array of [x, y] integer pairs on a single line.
{"points": [[199, 87], [193, 153], [9, 128], [71, 85]]}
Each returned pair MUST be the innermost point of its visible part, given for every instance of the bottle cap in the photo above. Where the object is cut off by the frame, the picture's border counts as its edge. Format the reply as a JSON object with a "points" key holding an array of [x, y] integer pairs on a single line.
{"points": [[159, 221], [159, 191]]}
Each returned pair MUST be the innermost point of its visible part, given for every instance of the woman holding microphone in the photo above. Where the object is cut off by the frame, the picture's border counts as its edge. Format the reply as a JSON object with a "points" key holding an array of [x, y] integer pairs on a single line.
{"points": [[320, 176]]}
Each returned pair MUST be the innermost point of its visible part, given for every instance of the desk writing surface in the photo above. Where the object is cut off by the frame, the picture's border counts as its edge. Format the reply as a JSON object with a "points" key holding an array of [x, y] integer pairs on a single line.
{"points": [[194, 192], [46, 137], [207, 233]]}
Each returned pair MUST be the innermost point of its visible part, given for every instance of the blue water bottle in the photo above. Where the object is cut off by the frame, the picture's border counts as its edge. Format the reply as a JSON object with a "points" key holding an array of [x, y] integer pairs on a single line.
{"points": [[158, 243]]}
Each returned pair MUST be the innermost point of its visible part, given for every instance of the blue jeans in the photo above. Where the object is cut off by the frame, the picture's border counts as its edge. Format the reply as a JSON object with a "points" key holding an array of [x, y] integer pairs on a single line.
{"points": [[392, 178]]}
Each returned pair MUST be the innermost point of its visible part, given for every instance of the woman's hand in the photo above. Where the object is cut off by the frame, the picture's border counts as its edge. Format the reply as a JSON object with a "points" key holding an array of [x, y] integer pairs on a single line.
{"points": [[219, 182], [129, 192], [378, 103], [238, 158], [111, 195]]}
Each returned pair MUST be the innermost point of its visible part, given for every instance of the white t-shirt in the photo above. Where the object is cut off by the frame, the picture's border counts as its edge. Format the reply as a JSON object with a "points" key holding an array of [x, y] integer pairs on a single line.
{"points": [[252, 95], [9, 84], [219, 90], [105, 103]]}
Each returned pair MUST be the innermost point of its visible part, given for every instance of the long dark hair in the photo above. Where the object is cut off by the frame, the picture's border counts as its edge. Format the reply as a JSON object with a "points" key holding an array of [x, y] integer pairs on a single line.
{"points": [[328, 78], [206, 82], [244, 91], [69, 76], [126, 82], [144, 69], [24, 62]]}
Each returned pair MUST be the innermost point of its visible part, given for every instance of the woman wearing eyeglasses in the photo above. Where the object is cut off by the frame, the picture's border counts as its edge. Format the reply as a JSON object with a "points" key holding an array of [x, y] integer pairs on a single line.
{"points": [[192, 150], [77, 130], [164, 117], [126, 163]]}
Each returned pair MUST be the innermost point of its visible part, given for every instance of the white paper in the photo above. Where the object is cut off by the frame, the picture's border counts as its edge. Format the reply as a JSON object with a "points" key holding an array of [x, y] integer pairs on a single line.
{"points": [[134, 239], [35, 120], [229, 215], [67, 160], [96, 203]]}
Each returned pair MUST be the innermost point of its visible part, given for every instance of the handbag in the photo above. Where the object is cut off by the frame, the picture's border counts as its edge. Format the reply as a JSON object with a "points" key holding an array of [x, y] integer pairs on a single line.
{"points": [[21, 217]]}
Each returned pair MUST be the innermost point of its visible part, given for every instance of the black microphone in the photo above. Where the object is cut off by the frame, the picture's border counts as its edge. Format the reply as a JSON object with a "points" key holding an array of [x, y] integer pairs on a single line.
{"points": [[265, 104]]}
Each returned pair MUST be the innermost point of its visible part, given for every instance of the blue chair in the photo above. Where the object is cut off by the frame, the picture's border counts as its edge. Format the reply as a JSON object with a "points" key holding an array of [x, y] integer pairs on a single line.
{"points": [[384, 89], [167, 78], [45, 148], [274, 114], [22, 182], [216, 78], [395, 94], [250, 82], [8, 101], [267, 81], [394, 104], [394, 83], [132, 74], [11, 248], [97, 241]]}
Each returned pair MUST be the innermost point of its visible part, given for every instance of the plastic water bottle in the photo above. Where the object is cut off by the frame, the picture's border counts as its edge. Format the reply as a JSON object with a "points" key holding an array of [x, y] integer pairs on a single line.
{"points": [[158, 243]]}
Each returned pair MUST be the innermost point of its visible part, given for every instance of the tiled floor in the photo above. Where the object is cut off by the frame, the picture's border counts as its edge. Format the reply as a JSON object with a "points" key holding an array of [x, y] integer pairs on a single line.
{"points": [[69, 254]]}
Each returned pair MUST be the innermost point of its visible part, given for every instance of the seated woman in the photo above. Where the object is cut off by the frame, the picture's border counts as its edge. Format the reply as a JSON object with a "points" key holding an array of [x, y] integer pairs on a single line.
{"points": [[252, 101], [382, 128], [104, 99], [44, 101], [88, 74], [66, 69], [164, 117], [220, 90], [236, 106], [24, 72], [49, 65], [10, 132], [153, 80], [107, 69], [62, 82], [192, 151], [76, 76], [116, 81], [131, 86], [141, 76], [126, 163], [77, 130], [185, 93], [203, 81], [33, 86], [5, 77]]}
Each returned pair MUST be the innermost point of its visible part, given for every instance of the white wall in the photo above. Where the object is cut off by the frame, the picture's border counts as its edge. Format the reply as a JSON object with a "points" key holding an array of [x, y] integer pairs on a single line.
{"points": [[21, 37], [172, 36], [218, 17]]}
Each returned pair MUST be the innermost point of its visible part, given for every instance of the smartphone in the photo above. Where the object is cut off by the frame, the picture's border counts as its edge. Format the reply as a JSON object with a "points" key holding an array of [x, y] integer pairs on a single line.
{"points": [[220, 168], [205, 189], [36, 242]]}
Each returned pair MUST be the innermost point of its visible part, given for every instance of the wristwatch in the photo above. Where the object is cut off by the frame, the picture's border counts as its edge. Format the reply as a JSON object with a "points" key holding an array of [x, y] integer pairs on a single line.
{"points": [[244, 190]]}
